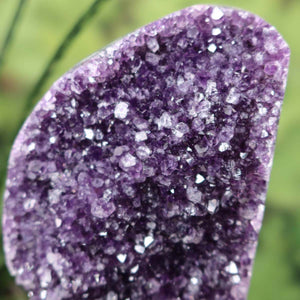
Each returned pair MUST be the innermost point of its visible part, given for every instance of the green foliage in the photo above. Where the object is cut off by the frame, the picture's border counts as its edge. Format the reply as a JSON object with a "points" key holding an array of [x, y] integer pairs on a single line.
{"points": [[44, 24], [11, 31]]}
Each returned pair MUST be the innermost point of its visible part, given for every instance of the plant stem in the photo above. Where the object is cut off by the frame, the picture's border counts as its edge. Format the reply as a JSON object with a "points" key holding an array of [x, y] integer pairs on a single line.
{"points": [[58, 54], [11, 31]]}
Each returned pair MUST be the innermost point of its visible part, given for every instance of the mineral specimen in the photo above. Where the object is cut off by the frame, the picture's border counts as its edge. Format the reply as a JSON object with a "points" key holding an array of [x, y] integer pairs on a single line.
{"points": [[142, 173]]}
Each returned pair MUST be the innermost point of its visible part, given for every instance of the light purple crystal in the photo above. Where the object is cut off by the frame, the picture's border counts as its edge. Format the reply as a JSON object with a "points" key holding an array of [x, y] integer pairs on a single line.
{"points": [[143, 171]]}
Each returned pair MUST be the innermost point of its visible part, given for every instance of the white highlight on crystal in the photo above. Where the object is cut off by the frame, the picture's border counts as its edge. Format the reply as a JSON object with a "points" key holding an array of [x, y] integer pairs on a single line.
{"points": [[194, 280], [139, 249], [270, 47], [232, 97], [128, 160], [73, 102], [121, 110], [216, 31], [29, 204], [85, 114], [143, 152], [199, 178], [121, 257], [52, 139], [31, 146], [164, 121], [211, 89], [54, 196], [212, 48], [92, 79], [243, 155], [232, 268], [134, 269], [236, 279], [43, 294], [148, 240], [103, 212], [212, 205], [141, 136], [48, 96], [178, 133], [103, 233], [217, 13], [58, 222], [153, 44], [193, 194], [89, 133], [45, 277], [264, 133], [257, 222], [111, 296], [223, 147], [262, 110], [107, 194], [180, 80]]}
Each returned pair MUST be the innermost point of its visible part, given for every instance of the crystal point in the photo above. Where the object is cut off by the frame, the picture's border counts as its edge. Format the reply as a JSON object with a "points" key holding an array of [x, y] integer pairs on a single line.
{"points": [[142, 173]]}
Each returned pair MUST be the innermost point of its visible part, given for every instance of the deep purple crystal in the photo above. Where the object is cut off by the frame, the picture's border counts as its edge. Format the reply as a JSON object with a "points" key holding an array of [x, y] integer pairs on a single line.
{"points": [[143, 171]]}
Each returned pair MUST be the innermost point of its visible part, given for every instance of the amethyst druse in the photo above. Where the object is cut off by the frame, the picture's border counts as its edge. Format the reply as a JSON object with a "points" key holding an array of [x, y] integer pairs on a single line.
{"points": [[143, 171]]}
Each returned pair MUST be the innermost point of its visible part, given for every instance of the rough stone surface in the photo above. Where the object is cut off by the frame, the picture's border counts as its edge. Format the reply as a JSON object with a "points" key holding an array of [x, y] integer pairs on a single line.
{"points": [[142, 173]]}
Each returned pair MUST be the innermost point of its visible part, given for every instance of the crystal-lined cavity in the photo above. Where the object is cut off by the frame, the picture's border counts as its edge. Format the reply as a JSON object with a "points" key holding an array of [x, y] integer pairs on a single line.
{"points": [[142, 173]]}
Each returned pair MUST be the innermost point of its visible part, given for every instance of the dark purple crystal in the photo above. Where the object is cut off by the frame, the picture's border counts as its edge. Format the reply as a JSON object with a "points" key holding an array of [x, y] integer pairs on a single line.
{"points": [[143, 171]]}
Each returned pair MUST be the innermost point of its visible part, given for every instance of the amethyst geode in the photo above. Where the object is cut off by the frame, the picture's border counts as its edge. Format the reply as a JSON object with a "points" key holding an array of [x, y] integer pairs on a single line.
{"points": [[143, 171]]}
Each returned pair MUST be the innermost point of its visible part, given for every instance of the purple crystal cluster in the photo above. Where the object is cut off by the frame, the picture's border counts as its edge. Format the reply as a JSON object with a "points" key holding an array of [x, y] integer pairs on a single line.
{"points": [[143, 171]]}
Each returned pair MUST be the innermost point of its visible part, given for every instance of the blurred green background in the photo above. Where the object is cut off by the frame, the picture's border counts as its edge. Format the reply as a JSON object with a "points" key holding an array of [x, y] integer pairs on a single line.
{"points": [[41, 29]]}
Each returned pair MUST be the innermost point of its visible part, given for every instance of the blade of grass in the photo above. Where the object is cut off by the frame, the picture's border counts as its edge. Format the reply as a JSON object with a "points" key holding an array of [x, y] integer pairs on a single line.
{"points": [[11, 31], [58, 54]]}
